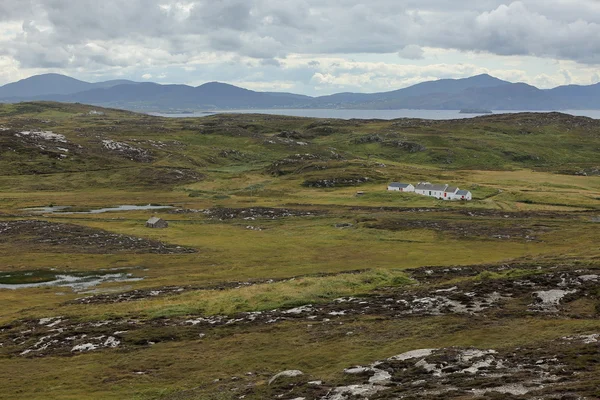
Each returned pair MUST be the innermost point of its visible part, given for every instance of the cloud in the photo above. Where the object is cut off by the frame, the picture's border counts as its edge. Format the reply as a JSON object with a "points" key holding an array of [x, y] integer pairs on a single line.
{"points": [[116, 38], [411, 52], [518, 29], [266, 29]]}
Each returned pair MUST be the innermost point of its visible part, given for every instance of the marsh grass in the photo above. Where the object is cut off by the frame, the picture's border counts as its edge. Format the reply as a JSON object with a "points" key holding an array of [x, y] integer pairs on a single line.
{"points": [[263, 297]]}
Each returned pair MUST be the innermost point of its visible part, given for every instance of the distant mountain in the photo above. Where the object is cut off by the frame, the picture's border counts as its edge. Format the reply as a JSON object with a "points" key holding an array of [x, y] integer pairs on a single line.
{"points": [[513, 96], [445, 86], [481, 91], [580, 97], [51, 84], [508, 96], [442, 86], [152, 96]]}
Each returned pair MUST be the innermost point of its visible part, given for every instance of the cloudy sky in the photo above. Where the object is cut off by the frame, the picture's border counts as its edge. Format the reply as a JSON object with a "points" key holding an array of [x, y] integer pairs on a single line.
{"points": [[304, 46]]}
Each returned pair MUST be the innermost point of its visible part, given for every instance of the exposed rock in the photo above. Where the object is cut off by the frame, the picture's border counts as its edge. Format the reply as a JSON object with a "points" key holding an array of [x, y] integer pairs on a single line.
{"points": [[550, 299], [354, 392], [368, 139], [408, 146], [128, 151], [467, 297], [286, 374], [232, 154], [464, 372], [344, 225], [257, 213], [412, 354], [335, 182], [290, 135], [43, 135]]}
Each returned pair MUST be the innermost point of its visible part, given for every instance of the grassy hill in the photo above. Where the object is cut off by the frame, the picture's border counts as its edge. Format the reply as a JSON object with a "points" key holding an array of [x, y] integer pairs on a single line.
{"points": [[549, 142], [271, 262]]}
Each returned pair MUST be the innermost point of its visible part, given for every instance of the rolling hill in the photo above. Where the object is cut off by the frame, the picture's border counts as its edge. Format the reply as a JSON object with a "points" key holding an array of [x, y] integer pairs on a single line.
{"points": [[477, 91], [52, 85], [288, 270]]}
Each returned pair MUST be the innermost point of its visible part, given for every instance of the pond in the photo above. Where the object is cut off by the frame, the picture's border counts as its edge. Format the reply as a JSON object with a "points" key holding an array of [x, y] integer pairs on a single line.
{"points": [[65, 209], [78, 281], [45, 210]]}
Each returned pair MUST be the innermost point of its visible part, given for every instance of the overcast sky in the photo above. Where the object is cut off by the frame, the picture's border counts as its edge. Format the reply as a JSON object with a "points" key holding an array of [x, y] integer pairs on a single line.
{"points": [[303, 46]]}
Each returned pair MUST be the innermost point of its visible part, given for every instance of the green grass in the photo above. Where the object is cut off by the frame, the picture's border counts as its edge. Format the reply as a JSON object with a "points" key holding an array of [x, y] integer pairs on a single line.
{"points": [[290, 294], [520, 172]]}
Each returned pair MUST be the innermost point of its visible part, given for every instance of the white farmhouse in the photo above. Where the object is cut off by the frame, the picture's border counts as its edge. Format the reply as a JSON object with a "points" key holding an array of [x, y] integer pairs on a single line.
{"points": [[450, 193], [463, 195], [400, 187], [431, 190], [439, 191]]}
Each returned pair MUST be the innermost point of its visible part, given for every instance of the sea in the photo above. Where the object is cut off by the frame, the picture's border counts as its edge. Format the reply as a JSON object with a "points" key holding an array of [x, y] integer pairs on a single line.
{"points": [[368, 114]]}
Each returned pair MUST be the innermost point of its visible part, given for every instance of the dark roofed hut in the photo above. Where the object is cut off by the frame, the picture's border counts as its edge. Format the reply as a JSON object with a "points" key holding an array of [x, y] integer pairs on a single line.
{"points": [[156, 222]]}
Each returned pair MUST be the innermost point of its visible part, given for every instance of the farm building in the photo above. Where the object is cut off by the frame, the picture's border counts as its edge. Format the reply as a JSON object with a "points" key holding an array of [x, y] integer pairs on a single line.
{"points": [[156, 222], [463, 195], [450, 192], [400, 187], [439, 191], [431, 190]]}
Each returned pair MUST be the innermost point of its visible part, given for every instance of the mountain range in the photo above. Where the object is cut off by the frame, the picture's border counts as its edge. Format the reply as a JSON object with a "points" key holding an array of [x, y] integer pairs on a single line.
{"points": [[481, 92]]}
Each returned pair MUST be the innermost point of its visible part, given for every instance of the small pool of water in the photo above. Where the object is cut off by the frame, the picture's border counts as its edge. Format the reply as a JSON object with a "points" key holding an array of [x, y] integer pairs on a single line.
{"points": [[45, 210], [76, 281], [65, 209]]}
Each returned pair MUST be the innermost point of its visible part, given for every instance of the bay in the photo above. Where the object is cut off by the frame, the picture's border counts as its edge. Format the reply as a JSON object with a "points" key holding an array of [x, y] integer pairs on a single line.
{"points": [[369, 114]]}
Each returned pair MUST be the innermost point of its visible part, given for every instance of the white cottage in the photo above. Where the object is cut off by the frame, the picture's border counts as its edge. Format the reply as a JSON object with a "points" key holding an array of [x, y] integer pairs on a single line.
{"points": [[463, 195], [400, 187], [450, 193], [439, 191], [431, 190]]}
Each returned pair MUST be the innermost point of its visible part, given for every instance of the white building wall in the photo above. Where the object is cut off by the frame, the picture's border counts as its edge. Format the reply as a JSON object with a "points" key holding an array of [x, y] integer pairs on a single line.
{"points": [[469, 197], [409, 188], [450, 196]]}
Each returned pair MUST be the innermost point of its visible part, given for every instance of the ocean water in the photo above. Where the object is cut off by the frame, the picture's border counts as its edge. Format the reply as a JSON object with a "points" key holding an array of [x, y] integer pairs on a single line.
{"points": [[368, 114]]}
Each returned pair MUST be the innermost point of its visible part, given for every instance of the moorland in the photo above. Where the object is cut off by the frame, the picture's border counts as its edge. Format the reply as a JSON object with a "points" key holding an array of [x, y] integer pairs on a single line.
{"points": [[273, 263]]}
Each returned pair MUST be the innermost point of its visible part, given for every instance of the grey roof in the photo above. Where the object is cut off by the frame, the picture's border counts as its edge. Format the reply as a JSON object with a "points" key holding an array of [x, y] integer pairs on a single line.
{"points": [[399, 185], [439, 188], [451, 189], [463, 192], [429, 186], [153, 220]]}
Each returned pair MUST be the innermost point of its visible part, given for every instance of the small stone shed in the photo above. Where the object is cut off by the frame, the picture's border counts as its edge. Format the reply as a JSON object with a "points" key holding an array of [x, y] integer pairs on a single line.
{"points": [[156, 222]]}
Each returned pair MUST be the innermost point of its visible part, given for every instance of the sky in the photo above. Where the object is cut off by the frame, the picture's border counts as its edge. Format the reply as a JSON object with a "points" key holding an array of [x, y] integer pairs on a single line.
{"points": [[312, 47]]}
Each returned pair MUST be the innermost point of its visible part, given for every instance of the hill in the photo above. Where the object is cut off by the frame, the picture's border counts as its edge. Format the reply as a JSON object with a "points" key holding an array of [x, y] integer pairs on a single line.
{"points": [[551, 142], [406, 96], [287, 269], [478, 91], [51, 84]]}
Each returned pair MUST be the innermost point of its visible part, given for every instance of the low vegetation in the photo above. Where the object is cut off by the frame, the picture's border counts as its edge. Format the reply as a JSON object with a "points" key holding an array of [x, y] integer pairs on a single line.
{"points": [[272, 261]]}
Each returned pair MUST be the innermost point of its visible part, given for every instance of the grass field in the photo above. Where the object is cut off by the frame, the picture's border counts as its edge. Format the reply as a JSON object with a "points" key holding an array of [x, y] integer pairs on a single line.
{"points": [[254, 233]]}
